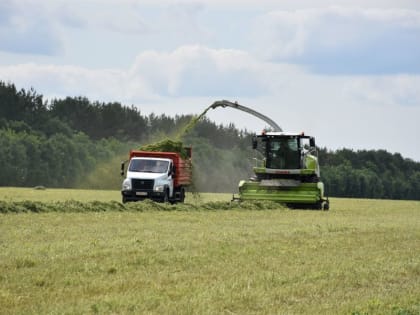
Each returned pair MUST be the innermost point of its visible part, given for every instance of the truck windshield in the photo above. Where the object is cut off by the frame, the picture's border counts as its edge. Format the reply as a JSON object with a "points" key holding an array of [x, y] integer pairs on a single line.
{"points": [[148, 166], [283, 153]]}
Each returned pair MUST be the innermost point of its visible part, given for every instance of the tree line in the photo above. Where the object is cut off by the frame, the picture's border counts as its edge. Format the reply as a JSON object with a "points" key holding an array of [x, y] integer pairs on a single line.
{"points": [[369, 174], [57, 143]]}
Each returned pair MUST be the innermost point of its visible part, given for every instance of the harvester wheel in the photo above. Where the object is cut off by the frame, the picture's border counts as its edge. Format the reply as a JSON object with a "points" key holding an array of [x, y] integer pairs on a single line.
{"points": [[326, 206]]}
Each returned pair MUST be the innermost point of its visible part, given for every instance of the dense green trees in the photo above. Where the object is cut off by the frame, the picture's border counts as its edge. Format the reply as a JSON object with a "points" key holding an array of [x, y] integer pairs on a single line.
{"points": [[28, 159], [369, 174], [37, 147], [99, 120], [60, 144]]}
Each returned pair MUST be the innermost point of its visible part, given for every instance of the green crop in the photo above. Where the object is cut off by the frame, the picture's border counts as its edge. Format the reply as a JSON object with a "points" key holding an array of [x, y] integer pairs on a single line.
{"points": [[194, 120], [169, 145], [166, 145]]}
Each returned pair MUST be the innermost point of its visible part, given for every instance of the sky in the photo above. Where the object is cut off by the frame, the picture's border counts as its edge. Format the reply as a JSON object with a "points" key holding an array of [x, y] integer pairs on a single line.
{"points": [[346, 72]]}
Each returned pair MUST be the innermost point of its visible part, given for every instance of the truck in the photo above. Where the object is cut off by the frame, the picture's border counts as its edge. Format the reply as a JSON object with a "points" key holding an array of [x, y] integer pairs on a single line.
{"points": [[159, 176]]}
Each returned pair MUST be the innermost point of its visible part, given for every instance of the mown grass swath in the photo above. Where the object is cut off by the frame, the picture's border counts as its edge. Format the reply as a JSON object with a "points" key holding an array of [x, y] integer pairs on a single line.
{"points": [[147, 205]]}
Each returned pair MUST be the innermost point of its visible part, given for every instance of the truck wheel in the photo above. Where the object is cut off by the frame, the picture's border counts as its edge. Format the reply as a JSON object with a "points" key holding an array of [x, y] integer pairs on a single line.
{"points": [[165, 198], [124, 200], [182, 195]]}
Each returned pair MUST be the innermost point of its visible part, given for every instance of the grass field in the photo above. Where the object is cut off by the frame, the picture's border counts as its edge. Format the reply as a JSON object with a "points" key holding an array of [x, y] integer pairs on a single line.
{"points": [[361, 257]]}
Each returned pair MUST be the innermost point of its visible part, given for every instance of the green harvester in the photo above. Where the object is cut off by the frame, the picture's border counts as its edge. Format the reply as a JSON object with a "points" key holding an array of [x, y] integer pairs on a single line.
{"points": [[287, 170]]}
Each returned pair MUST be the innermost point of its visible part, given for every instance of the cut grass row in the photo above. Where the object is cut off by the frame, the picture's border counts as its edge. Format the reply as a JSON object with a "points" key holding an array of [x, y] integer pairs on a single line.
{"points": [[147, 205], [18, 200]]}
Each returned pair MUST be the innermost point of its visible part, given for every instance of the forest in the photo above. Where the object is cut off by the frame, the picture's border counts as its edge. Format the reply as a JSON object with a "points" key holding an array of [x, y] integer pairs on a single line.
{"points": [[75, 142]]}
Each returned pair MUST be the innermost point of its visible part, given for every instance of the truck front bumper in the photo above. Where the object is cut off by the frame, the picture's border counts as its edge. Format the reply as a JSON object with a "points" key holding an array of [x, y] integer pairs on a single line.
{"points": [[131, 195]]}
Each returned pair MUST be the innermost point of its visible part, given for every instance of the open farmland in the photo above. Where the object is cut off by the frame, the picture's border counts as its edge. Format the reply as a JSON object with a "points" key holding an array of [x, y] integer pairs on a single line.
{"points": [[362, 257]]}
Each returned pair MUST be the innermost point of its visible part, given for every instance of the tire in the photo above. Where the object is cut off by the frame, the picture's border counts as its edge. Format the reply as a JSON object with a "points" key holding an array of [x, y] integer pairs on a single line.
{"points": [[124, 200], [165, 198], [182, 195]]}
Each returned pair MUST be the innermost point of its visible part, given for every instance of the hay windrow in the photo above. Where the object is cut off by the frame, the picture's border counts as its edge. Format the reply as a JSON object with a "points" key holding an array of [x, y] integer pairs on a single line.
{"points": [[146, 205]]}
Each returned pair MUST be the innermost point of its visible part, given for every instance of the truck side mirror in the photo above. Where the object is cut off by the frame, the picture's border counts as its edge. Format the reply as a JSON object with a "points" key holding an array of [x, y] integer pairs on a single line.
{"points": [[122, 168], [312, 142], [254, 143], [173, 171]]}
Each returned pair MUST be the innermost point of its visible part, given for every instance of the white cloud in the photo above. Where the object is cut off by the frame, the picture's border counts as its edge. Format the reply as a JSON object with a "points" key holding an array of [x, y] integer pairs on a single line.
{"points": [[26, 28], [396, 90], [258, 4], [342, 40], [120, 19], [187, 71], [62, 81], [200, 71]]}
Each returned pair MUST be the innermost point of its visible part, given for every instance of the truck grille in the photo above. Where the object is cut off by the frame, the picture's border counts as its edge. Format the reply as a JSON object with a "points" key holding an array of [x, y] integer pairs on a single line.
{"points": [[142, 184]]}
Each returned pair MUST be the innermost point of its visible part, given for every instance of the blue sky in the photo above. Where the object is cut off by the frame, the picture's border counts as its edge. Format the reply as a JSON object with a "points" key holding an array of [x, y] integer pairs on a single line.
{"points": [[347, 72]]}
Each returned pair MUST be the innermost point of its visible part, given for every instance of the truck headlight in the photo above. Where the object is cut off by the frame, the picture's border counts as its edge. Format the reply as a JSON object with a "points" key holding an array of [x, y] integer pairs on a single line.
{"points": [[126, 185], [159, 188]]}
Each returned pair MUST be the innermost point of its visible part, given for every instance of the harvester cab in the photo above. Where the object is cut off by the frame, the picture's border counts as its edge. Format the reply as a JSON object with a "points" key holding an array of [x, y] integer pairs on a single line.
{"points": [[288, 171], [290, 152]]}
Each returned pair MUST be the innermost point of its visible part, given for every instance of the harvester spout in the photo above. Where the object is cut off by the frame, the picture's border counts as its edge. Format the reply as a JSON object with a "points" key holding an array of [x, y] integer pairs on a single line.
{"points": [[225, 103]]}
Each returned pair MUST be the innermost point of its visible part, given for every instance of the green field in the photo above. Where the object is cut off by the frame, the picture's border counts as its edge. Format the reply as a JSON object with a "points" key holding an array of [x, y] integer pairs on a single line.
{"points": [[361, 257]]}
